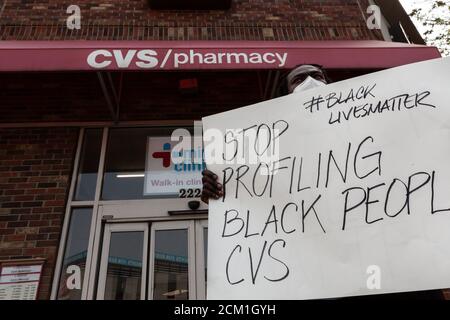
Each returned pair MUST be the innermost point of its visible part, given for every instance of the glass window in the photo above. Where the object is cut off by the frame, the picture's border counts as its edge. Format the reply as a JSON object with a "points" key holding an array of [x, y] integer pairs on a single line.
{"points": [[89, 159], [124, 274], [171, 265], [71, 280], [139, 164]]}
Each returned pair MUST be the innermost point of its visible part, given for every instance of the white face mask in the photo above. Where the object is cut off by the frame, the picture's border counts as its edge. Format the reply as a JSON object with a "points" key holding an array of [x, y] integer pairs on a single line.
{"points": [[308, 83]]}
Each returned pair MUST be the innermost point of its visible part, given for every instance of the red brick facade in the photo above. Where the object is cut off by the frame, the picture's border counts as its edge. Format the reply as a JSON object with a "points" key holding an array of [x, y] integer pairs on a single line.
{"points": [[35, 169], [246, 20]]}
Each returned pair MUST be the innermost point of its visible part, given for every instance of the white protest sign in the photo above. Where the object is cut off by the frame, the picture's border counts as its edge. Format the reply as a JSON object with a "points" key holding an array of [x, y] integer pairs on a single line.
{"points": [[355, 199]]}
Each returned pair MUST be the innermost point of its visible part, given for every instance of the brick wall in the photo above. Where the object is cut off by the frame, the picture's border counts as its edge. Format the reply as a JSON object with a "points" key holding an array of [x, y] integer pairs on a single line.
{"points": [[55, 97], [51, 97], [133, 19], [35, 169], [144, 96]]}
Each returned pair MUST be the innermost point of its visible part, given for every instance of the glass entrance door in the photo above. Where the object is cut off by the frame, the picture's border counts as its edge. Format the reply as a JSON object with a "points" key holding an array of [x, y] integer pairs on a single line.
{"points": [[124, 262], [172, 261], [162, 260]]}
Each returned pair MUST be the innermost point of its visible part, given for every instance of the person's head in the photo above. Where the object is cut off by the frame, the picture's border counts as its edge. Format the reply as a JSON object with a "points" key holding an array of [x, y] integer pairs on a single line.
{"points": [[302, 72]]}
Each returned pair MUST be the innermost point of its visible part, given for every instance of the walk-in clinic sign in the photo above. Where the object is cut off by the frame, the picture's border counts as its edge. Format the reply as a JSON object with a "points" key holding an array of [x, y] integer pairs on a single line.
{"points": [[173, 168], [359, 187]]}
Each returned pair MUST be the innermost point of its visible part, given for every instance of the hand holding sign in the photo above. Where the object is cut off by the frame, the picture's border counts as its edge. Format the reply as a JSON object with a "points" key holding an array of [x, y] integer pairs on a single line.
{"points": [[211, 187]]}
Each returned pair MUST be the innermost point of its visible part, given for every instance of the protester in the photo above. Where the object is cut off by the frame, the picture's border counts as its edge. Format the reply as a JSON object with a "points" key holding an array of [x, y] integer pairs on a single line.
{"points": [[301, 78]]}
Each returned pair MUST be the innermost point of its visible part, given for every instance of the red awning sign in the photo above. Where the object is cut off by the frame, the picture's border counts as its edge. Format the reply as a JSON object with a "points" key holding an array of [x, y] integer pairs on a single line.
{"points": [[199, 55]]}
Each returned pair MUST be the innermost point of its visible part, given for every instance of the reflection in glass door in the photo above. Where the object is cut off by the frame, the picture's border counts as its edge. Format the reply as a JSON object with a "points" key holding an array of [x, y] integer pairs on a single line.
{"points": [[124, 262], [172, 261]]}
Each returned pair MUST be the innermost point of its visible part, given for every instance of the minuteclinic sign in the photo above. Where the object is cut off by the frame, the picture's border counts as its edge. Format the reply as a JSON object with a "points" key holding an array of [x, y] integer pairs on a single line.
{"points": [[172, 172]]}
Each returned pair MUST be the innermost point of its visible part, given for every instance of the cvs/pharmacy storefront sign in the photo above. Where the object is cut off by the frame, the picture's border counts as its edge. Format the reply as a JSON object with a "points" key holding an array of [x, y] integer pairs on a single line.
{"points": [[196, 55], [184, 58]]}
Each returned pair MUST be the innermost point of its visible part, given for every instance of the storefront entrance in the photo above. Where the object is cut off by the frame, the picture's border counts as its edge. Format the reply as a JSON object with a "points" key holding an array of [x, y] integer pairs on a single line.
{"points": [[161, 260], [135, 228]]}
